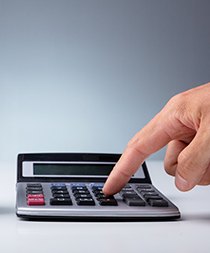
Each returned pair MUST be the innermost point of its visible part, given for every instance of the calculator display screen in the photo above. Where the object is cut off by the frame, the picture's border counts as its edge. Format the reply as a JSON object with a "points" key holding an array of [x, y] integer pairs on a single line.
{"points": [[72, 169]]}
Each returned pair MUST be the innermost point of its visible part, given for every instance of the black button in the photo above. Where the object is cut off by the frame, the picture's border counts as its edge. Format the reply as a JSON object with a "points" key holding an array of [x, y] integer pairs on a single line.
{"points": [[34, 191], [127, 191], [133, 199], [145, 191], [57, 188], [80, 196], [97, 188], [34, 185], [60, 195], [81, 192], [96, 193], [130, 195], [37, 188], [85, 202], [149, 194], [158, 203], [60, 192], [148, 197], [143, 186], [127, 187], [78, 188], [108, 202], [60, 201], [101, 196], [135, 202]]}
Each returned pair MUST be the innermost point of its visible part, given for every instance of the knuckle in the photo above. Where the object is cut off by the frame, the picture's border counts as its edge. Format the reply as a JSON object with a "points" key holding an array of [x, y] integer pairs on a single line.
{"points": [[178, 99], [176, 106]]}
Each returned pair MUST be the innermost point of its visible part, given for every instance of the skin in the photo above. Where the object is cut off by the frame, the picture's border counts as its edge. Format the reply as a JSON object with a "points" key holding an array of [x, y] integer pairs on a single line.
{"points": [[183, 124]]}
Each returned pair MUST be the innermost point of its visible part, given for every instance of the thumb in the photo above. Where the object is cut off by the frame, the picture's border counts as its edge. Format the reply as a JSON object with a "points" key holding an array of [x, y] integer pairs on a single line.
{"points": [[194, 160]]}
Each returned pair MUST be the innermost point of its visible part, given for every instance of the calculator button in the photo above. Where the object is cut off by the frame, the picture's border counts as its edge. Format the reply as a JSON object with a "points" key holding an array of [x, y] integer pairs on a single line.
{"points": [[145, 191], [127, 186], [150, 196], [82, 196], [96, 184], [35, 202], [85, 202], [56, 188], [35, 196], [58, 184], [142, 186], [34, 192], [130, 195], [97, 188], [81, 192], [158, 202], [34, 188], [96, 193], [127, 191], [60, 201], [78, 188], [34, 185], [60, 195], [77, 184], [60, 192], [134, 201], [108, 202], [101, 196]]}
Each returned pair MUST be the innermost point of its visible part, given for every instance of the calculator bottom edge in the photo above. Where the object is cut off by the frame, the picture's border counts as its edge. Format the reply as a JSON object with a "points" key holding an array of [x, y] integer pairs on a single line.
{"points": [[97, 218]]}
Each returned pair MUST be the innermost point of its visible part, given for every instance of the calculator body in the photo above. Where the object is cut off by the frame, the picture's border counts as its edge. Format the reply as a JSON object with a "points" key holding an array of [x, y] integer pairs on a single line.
{"points": [[69, 186]]}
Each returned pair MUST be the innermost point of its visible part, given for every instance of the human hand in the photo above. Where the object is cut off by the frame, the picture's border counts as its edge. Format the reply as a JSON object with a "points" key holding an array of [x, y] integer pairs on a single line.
{"points": [[183, 124]]}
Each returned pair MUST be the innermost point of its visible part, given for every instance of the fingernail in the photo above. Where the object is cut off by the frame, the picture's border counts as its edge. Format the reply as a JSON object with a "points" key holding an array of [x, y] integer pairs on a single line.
{"points": [[182, 184]]}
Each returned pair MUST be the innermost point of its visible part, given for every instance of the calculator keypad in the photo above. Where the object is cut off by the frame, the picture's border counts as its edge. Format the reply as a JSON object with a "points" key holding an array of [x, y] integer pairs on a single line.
{"points": [[91, 194]]}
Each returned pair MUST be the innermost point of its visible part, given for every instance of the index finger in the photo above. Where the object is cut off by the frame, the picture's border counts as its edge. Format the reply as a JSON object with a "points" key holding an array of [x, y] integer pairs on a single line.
{"points": [[149, 140]]}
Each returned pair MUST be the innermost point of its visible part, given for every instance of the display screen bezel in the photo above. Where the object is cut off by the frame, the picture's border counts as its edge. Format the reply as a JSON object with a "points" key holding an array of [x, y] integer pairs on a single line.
{"points": [[72, 158]]}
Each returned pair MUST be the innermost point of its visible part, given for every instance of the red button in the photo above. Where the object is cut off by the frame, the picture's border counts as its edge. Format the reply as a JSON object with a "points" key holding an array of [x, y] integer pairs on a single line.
{"points": [[35, 196], [35, 202]]}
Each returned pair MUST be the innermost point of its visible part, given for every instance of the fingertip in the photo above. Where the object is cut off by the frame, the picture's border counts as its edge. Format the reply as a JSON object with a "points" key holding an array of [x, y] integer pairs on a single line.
{"points": [[105, 190], [110, 189]]}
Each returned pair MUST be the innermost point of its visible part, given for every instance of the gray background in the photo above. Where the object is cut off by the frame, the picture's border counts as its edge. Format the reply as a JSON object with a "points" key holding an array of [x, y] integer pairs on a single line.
{"points": [[86, 75]]}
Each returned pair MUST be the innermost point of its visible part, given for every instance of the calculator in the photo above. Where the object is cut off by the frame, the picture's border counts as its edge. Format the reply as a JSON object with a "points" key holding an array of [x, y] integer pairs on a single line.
{"points": [[69, 186]]}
